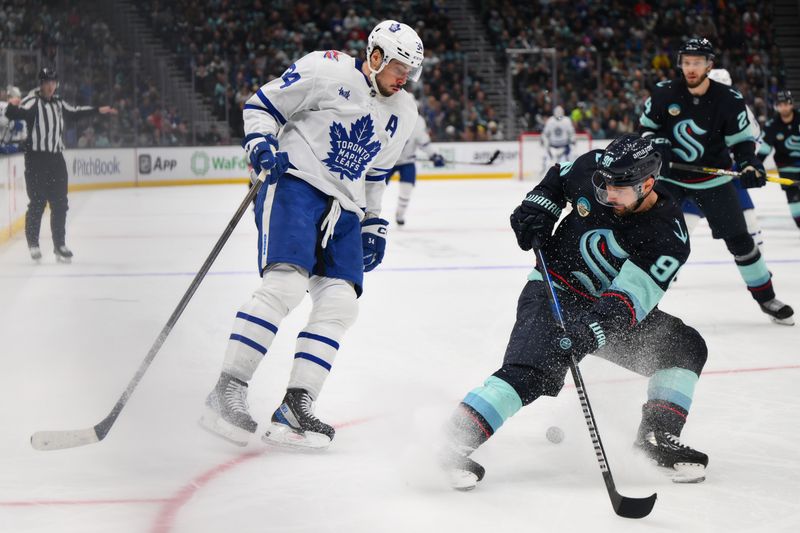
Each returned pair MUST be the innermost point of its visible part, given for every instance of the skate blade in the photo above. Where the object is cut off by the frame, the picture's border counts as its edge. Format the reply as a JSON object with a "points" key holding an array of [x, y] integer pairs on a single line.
{"points": [[788, 321], [216, 425], [282, 436], [462, 480], [688, 473], [64, 260]]}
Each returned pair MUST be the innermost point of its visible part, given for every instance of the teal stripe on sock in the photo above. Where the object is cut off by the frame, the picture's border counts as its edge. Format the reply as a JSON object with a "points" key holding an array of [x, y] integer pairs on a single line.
{"points": [[674, 385], [756, 274], [496, 401], [794, 209], [670, 395]]}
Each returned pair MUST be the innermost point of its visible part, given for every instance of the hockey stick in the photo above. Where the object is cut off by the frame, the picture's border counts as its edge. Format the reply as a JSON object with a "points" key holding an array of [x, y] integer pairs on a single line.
{"points": [[59, 440], [623, 505], [491, 160], [731, 173]]}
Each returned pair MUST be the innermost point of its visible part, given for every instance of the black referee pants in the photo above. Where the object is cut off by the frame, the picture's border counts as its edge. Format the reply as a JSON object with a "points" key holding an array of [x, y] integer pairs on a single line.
{"points": [[46, 182]]}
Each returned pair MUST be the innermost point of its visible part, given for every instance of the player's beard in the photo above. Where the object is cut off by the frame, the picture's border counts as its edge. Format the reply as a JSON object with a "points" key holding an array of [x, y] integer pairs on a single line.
{"points": [[699, 81], [386, 90]]}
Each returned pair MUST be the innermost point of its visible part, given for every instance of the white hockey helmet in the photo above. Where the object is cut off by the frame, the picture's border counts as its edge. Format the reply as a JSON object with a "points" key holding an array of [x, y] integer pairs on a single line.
{"points": [[558, 112], [397, 41], [721, 75]]}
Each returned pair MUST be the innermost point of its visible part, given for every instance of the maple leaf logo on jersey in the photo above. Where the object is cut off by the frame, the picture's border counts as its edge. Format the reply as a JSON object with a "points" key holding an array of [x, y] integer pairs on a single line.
{"points": [[351, 152]]}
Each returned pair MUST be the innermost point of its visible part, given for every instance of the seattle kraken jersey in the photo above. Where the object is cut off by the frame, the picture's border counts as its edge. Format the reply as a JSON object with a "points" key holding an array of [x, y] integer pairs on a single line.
{"points": [[785, 139], [337, 135], [619, 267], [703, 129], [419, 140]]}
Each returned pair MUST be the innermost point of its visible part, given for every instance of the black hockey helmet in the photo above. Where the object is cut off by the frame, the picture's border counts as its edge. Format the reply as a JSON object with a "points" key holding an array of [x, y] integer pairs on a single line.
{"points": [[784, 96], [697, 47], [627, 162], [47, 74]]}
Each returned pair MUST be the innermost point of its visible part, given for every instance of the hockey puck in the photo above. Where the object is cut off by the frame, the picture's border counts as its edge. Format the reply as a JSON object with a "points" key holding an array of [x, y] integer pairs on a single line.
{"points": [[555, 434]]}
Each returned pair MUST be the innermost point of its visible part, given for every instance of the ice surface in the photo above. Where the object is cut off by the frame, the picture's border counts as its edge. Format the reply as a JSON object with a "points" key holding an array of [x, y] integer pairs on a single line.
{"points": [[433, 324]]}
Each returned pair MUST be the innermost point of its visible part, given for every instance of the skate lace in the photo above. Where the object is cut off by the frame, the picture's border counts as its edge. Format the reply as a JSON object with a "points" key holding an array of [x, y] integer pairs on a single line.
{"points": [[307, 406], [675, 441], [236, 397]]}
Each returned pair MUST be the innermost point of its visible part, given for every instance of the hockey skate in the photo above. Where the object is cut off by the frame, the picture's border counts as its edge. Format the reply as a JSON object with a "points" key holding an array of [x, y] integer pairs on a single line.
{"points": [[63, 254], [462, 472], [295, 426], [36, 253], [686, 464], [226, 411], [779, 312]]}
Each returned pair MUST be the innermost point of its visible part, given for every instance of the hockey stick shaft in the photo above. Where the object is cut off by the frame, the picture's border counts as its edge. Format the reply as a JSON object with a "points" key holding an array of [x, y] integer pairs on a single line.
{"points": [[57, 440], [623, 506], [491, 160], [731, 173]]}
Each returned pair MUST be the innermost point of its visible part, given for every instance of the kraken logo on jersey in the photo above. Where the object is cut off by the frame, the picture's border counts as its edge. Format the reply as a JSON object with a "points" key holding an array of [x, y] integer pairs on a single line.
{"points": [[793, 145], [593, 245], [692, 149], [351, 152]]}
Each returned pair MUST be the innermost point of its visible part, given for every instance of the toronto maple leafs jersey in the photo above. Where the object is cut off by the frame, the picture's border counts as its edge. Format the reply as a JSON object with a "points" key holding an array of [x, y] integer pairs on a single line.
{"points": [[339, 138], [703, 130], [784, 138], [558, 132], [419, 140], [616, 268]]}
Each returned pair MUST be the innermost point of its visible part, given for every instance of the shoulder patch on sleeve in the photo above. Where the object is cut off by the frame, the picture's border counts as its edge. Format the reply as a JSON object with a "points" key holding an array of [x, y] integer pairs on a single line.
{"points": [[736, 94], [332, 55]]}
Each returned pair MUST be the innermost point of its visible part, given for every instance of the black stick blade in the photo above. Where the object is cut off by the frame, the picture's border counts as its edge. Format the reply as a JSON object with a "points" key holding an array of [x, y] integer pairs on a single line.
{"points": [[492, 159], [632, 507]]}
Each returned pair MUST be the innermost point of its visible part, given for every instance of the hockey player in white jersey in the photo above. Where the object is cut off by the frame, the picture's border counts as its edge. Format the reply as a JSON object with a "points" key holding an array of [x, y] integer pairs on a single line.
{"points": [[407, 169], [558, 139], [690, 211], [328, 131]]}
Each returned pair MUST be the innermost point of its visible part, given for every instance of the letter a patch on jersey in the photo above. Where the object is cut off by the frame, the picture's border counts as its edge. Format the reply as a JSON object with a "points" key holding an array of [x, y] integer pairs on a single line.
{"points": [[351, 152]]}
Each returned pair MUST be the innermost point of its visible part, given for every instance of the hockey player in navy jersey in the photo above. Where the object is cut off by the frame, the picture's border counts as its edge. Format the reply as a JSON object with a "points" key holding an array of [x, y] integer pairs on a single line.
{"points": [[406, 166], [612, 258], [697, 121], [782, 133], [690, 211], [328, 130]]}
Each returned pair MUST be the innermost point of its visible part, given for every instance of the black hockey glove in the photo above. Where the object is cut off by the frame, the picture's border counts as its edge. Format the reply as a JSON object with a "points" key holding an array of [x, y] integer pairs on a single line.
{"points": [[753, 173], [664, 147], [580, 339], [533, 220]]}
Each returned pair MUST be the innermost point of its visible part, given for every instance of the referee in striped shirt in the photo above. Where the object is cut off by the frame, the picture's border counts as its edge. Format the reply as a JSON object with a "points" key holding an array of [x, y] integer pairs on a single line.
{"points": [[45, 169]]}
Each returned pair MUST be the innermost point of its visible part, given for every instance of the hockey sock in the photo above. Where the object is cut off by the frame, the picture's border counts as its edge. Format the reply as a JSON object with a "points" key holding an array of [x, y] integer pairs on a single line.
{"points": [[403, 198], [753, 269], [669, 397], [496, 401], [754, 228], [335, 310], [257, 321]]}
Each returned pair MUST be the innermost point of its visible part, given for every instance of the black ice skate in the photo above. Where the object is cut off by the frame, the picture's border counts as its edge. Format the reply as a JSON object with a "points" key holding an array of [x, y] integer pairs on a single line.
{"points": [[36, 253], [63, 254], [295, 426], [463, 473], [226, 412], [665, 449], [779, 312]]}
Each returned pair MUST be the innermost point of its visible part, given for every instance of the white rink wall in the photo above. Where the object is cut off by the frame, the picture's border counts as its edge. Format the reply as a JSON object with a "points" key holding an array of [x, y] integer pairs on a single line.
{"points": [[105, 168]]}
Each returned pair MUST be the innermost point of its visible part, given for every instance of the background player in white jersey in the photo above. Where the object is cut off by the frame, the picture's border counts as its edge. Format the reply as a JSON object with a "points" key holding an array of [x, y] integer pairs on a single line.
{"points": [[690, 211], [407, 169], [341, 124], [558, 139]]}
